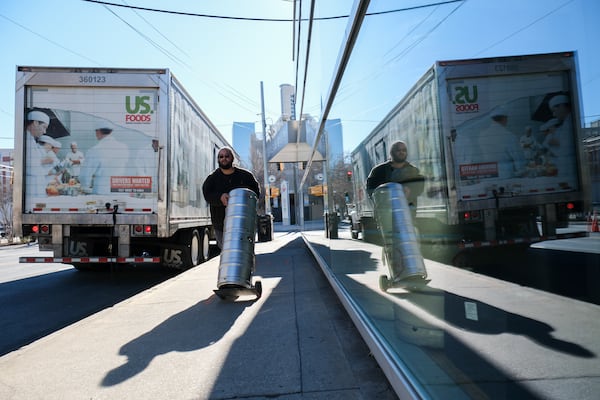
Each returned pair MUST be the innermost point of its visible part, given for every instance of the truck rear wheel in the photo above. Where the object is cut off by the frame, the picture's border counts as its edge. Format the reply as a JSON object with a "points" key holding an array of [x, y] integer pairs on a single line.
{"points": [[204, 245], [199, 246], [194, 248]]}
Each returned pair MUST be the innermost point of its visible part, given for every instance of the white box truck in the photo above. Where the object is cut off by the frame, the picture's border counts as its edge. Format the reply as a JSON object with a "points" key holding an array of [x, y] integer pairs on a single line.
{"points": [[109, 166], [498, 140]]}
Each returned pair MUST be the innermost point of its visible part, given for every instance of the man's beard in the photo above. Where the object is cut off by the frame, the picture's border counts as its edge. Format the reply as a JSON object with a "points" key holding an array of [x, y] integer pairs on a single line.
{"points": [[225, 165]]}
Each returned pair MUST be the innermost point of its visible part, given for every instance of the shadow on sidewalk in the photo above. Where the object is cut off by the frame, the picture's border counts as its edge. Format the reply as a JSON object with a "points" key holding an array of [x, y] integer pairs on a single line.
{"points": [[197, 327]]}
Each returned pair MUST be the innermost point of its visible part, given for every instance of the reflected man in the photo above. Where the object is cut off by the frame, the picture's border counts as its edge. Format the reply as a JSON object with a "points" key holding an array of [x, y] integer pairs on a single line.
{"points": [[398, 169]]}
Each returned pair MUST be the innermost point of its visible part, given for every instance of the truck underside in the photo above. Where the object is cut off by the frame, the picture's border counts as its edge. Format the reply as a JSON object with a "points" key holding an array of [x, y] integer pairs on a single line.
{"points": [[460, 244], [89, 247]]}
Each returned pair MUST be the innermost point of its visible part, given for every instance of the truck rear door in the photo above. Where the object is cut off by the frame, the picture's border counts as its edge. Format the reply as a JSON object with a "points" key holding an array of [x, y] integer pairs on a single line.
{"points": [[111, 132]]}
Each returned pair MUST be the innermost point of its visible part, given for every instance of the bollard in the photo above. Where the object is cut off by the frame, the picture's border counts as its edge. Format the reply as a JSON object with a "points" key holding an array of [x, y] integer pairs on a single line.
{"points": [[333, 226], [265, 228]]}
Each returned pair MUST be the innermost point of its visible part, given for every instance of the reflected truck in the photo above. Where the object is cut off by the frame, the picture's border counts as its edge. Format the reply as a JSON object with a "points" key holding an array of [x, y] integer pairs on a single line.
{"points": [[498, 140]]}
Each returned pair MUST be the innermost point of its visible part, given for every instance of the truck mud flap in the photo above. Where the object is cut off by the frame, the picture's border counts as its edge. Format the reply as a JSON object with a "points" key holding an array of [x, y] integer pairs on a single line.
{"points": [[176, 256]]}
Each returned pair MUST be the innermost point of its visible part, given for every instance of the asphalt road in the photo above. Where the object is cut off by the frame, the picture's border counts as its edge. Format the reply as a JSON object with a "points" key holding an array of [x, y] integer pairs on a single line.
{"points": [[38, 299]]}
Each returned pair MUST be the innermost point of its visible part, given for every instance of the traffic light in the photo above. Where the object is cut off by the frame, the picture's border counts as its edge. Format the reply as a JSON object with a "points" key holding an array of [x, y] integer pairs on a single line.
{"points": [[349, 175]]}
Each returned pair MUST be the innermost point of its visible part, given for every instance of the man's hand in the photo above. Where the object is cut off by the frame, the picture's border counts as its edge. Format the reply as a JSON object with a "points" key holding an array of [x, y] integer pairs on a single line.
{"points": [[225, 199]]}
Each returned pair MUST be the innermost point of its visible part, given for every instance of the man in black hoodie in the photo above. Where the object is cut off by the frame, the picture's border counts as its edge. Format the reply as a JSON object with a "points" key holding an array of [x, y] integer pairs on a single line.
{"points": [[217, 186], [398, 170]]}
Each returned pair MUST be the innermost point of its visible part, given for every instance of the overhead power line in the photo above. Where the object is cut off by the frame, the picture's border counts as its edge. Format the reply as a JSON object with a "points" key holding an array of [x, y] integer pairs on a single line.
{"points": [[176, 59], [189, 14], [50, 41], [158, 31], [149, 40], [173, 57], [529, 25]]}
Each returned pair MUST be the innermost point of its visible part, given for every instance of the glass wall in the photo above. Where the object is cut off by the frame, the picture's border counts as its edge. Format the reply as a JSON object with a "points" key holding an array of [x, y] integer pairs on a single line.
{"points": [[476, 273]]}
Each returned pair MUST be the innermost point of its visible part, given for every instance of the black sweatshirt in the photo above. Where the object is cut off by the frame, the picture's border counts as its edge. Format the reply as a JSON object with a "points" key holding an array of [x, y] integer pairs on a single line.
{"points": [[218, 183]]}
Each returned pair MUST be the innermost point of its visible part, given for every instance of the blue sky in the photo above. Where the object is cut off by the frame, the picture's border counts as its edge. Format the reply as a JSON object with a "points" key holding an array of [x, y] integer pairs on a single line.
{"points": [[395, 50], [222, 62]]}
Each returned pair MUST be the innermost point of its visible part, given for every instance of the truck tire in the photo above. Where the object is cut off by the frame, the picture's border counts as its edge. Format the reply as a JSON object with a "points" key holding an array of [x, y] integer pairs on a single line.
{"points": [[195, 247], [204, 245]]}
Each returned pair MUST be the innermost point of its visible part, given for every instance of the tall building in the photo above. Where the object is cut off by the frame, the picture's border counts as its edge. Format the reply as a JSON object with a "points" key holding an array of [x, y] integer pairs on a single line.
{"points": [[591, 147], [331, 144], [288, 102], [288, 148], [6, 171], [241, 135], [6, 189], [289, 145]]}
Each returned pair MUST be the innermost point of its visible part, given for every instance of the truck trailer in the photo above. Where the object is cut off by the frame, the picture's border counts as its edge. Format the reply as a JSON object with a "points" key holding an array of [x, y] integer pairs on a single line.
{"points": [[109, 165], [499, 143]]}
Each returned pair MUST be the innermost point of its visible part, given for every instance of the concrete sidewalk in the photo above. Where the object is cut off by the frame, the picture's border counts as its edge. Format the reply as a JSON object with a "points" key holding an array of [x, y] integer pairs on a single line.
{"points": [[179, 341]]}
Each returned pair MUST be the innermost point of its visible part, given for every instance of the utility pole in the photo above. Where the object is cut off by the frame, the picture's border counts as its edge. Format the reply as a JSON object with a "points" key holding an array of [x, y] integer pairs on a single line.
{"points": [[264, 150]]}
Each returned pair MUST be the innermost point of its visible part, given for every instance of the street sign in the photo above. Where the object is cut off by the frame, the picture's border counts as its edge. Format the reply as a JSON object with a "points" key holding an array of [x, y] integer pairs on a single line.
{"points": [[316, 190]]}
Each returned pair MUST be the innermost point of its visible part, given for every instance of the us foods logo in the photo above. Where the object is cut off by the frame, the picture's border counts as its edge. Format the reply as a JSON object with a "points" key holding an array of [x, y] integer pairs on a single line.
{"points": [[138, 109], [465, 99]]}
